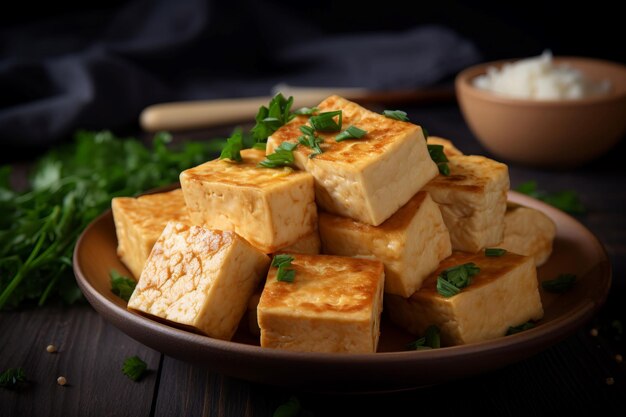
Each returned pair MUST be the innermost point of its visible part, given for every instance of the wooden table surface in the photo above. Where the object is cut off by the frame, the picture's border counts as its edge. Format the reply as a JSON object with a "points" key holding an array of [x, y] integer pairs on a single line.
{"points": [[579, 375]]}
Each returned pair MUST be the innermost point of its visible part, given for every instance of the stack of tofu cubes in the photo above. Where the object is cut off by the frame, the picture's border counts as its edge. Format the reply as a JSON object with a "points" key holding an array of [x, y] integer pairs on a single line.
{"points": [[377, 209]]}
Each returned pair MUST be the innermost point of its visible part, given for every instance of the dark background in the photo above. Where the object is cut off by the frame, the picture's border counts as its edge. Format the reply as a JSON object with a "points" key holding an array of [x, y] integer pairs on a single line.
{"points": [[135, 53]]}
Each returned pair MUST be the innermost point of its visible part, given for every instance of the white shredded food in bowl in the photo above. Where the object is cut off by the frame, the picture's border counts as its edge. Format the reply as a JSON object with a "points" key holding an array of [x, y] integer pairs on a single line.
{"points": [[540, 78]]}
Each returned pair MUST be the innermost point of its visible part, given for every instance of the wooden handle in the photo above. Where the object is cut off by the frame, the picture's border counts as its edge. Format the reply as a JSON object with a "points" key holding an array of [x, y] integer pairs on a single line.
{"points": [[202, 114]]}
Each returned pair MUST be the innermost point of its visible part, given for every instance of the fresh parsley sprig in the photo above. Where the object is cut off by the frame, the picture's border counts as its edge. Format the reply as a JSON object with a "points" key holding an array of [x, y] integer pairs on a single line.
{"points": [[282, 156], [134, 368], [269, 119], [12, 378], [121, 285], [451, 281], [567, 200], [233, 147], [71, 186]]}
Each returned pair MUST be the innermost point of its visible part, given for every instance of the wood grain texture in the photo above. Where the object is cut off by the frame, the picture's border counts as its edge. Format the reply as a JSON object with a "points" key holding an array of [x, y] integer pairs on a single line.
{"points": [[90, 356]]}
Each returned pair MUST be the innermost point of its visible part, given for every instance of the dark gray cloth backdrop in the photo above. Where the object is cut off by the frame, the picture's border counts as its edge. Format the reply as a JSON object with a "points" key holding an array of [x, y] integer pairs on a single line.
{"points": [[99, 70]]}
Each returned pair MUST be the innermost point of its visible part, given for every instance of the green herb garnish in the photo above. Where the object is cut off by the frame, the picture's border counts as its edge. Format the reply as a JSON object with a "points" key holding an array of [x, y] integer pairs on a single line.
{"points": [[232, 149], [560, 284], [352, 132], [567, 201], [309, 139], [291, 408], [122, 286], [270, 119], [439, 157], [520, 328], [325, 122], [431, 340], [134, 368], [71, 186], [396, 114], [12, 378], [306, 111], [283, 262], [282, 156], [450, 281], [494, 252]]}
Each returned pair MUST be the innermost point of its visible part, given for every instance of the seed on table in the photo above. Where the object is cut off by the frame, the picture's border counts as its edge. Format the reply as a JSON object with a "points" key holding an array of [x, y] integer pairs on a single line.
{"points": [[618, 358], [610, 381], [594, 332], [61, 380], [51, 348]]}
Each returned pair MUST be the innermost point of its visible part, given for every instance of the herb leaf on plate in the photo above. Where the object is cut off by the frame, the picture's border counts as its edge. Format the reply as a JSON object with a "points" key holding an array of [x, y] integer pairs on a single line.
{"points": [[567, 200]]}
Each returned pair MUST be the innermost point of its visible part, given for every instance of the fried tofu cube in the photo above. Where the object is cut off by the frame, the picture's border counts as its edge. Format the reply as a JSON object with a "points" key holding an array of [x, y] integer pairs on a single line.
{"points": [[503, 294], [309, 244], [410, 244], [199, 279], [365, 179], [529, 232], [270, 208], [472, 200], [448, 147], [140, 221], [333, 305]]}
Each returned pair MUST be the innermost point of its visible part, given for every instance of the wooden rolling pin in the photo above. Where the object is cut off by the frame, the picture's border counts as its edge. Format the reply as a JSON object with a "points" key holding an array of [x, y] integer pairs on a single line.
{"points": [[202, 114]]}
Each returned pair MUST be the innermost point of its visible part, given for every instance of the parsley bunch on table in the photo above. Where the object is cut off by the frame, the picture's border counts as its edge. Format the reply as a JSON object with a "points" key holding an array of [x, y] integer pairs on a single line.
{"points": [[69, 187]]}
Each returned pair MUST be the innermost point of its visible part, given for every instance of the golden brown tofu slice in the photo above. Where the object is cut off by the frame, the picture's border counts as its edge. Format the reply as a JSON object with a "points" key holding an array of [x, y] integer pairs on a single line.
{"points": [[504, 293], [199, 279], [411, 243], [333, 305], [365, 179], [271, 208], [140, 221], [472, 201], [529, 232], [448, 147]]}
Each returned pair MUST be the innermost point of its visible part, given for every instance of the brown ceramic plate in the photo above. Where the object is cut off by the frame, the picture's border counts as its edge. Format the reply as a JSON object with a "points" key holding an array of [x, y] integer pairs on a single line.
{"points": [[576, 250]]}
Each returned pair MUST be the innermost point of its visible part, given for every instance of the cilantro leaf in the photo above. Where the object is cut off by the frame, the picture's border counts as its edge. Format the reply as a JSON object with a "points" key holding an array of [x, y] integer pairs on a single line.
{"points": [[567, 200], [232, 149], [12, 378], [270, 119]]}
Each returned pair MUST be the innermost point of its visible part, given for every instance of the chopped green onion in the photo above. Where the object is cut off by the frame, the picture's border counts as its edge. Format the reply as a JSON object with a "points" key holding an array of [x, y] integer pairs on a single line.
{"points": [[282, 259], [352, 132], [450, 281], [134, 368], [306, 111], [516, 329], [232, 149], [431, 340], [122, 286], [325, 122], [560, 284], [396, 114], [425, 133], [285, 274], [310, 140], [438, 156], [282, 156], [494, 252]]}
